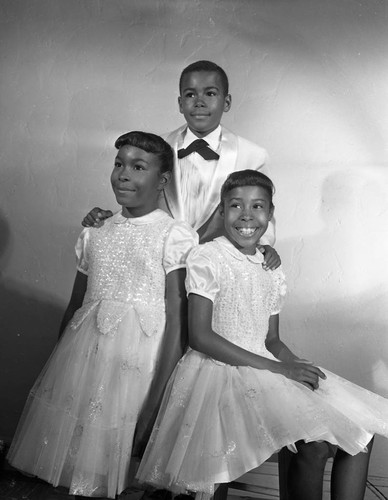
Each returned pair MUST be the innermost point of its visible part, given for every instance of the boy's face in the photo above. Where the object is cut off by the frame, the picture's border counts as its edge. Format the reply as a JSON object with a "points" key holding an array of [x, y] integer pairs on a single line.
{"points": [[202, 101], [246, 212], [137, 181]]}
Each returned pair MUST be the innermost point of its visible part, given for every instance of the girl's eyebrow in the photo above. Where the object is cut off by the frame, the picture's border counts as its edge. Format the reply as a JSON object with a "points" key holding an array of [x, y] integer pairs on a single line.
{"points": [[133, 159], [254, 199]]}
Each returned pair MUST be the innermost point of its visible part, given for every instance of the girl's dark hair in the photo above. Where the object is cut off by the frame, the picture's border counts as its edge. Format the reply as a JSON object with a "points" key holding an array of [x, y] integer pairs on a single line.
{"points": [[206, 66], [247, 178], [150, 143]]}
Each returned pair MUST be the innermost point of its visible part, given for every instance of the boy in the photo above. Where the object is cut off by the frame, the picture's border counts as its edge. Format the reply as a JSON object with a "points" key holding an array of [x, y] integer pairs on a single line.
{"points": [[200, 169]]}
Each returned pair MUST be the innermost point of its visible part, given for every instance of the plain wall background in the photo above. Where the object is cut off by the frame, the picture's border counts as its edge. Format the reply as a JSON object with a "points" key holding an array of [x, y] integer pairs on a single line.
{"points": [[309, 81]]}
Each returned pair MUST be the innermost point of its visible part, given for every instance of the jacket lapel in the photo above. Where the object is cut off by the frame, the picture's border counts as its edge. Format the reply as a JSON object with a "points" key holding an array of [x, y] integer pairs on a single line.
{"points": [[172, 191]]}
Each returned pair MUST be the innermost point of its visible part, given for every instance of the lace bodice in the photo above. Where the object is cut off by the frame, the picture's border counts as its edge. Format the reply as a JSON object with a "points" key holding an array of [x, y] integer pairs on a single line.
{"points": [[126, 261], [244, 295]]}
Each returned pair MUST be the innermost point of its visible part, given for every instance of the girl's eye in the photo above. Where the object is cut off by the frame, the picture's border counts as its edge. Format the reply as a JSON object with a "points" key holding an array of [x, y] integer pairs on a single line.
{"points": [[117, 164], [235, 205], [138, 167], [259, 207]]}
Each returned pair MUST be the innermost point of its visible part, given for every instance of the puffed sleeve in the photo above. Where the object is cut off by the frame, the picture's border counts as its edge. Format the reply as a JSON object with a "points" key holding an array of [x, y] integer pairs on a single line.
{"points": [[180, 240], [81, 251], [276, 297], [201, 277]]}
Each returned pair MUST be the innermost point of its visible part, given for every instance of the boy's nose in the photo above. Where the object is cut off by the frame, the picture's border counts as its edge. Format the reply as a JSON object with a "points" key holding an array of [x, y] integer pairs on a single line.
{"points": [[199, 101]]}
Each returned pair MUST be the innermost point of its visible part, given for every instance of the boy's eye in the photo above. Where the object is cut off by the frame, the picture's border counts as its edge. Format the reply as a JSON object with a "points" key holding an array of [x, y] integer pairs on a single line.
{"points": [[235, 205], [138, 167], [189, 94], [258, 206], [117, 164], [211, 93]]}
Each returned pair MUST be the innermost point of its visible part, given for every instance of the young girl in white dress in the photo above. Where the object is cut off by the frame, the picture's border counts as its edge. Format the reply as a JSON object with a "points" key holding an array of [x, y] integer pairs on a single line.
{"points": [[123, 328], [239, 394]]}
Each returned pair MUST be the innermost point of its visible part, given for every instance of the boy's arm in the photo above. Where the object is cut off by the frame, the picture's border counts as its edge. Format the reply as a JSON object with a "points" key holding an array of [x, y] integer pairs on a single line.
{"points": [[76, 300], [96, 217], [173, 346]]}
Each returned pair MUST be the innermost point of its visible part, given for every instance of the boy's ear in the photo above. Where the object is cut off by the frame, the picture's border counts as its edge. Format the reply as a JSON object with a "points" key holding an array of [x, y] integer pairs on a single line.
{"points": [[271, 212], [227, 103], [180, 104], [165, 179], [221, 209]]}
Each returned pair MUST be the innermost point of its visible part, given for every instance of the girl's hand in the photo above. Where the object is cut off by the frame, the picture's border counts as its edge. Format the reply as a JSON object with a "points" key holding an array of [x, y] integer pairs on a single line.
{"points": [[271, 257], [302, 371], [96, 217]]}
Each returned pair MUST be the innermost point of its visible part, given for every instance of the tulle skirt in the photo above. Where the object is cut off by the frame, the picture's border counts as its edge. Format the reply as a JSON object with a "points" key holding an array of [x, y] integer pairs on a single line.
{"points": [[77, 426], [217, 422]]}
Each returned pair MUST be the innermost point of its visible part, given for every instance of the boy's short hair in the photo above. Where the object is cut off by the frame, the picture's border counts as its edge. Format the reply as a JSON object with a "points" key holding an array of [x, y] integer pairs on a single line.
{"points": [[150, 143], [247, 177], [206, 66]]}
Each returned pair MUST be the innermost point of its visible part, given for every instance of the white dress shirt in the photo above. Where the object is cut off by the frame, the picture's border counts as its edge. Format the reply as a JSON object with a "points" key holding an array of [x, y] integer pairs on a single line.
{"points": [[196, 176]]}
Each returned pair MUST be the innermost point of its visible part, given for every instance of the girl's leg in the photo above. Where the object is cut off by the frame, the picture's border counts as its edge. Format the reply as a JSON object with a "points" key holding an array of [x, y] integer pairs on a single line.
{"points": [[221, 492], [305, 473], [349, 475]]}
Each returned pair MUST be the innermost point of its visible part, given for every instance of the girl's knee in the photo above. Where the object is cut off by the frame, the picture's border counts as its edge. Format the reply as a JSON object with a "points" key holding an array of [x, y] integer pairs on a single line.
{"points": [[314, 452]]}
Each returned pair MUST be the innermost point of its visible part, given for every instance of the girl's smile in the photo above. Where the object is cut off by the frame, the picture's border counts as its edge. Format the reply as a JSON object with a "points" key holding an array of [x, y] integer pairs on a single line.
{"points": [[246, 211]]}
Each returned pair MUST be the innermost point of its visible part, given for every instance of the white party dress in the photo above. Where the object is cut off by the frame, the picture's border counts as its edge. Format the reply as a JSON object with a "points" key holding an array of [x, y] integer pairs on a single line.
{"points": [[217, 421], [77, 427]]}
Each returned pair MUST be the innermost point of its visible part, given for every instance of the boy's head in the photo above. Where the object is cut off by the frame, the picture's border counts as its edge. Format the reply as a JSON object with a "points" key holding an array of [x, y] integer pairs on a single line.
{"points": [[210, 67], [204, 96], [142, 169], [151, 143]]}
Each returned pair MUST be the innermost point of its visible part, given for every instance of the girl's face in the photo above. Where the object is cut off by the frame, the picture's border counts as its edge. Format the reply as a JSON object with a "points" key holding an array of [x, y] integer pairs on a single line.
{"points": [[246, 212], [137, 181]]}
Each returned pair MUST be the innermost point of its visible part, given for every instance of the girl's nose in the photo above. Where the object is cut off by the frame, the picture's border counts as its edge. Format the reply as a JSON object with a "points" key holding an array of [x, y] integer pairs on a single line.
{"points": [[246, 215], [124, 174]]}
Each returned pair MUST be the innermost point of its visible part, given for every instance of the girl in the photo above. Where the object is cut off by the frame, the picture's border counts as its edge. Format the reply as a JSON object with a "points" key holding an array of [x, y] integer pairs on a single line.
{"points": [[128, 298], [240, 394]]}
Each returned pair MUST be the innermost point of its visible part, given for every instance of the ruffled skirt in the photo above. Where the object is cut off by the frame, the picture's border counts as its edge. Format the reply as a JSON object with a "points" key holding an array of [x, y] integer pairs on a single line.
{"points": [[77, 426], [217, 422]]}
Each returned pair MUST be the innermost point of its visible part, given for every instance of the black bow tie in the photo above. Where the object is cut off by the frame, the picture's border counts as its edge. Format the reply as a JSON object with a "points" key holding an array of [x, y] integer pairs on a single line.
{"points": [[201, 147]]}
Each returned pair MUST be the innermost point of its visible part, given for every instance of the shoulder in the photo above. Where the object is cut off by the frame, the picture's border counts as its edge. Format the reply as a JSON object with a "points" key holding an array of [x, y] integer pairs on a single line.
{"points": [[204, 252], [172, 136], [278, 277], [247, 149], [182, 229]]}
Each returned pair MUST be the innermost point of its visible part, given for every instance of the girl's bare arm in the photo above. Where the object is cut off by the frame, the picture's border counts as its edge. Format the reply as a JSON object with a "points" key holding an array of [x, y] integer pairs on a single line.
{"points": [[76, 300], [203, 339], [172, 349]]}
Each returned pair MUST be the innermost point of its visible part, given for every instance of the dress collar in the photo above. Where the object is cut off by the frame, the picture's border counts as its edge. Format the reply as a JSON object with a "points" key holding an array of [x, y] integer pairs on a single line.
{"points": [[153, 216], [213, 139], [257, 258]]}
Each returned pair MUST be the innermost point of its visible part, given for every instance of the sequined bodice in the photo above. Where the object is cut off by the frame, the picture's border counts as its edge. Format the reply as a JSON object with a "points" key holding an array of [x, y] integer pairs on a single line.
{"points": [[248, 296], [125, 269]]}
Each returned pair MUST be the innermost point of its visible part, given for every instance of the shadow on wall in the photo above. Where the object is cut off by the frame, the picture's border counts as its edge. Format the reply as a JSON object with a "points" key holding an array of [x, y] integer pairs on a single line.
{"points": [[336, 314], [29, 324]]}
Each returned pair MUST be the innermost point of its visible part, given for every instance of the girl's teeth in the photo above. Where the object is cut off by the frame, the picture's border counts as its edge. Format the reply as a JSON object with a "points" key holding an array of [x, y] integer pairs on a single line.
{"points": [[246, 231]]}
